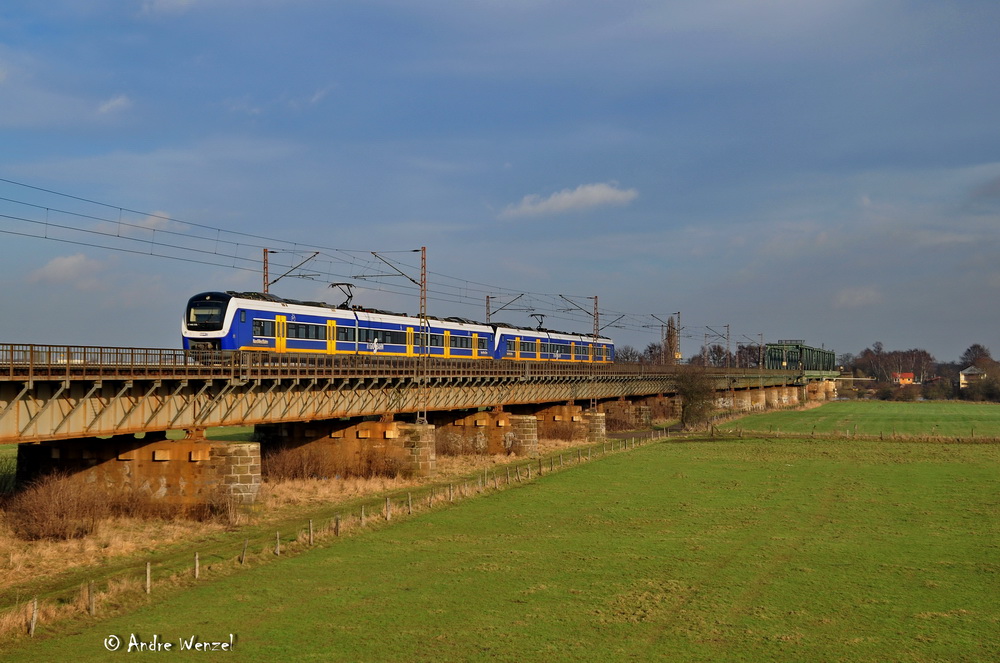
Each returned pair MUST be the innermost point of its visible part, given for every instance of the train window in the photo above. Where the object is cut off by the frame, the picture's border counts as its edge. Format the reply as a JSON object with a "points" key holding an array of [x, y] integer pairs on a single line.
{"points": [[306, 331], [461, 342], [383, 336], [482, 343], [345, 333], [263, 328], [243, 316]]}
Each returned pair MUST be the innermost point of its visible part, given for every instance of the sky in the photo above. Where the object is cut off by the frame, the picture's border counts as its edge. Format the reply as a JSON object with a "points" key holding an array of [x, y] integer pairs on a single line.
{"points": [[824, 170]]}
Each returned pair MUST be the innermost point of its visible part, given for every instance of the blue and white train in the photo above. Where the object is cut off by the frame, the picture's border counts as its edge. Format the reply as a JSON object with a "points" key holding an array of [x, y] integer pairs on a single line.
{"points": [[261, 321]]}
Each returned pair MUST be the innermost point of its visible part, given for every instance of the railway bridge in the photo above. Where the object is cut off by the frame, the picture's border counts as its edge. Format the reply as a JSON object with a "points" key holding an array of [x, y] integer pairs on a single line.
{"points": [[105, 413]]}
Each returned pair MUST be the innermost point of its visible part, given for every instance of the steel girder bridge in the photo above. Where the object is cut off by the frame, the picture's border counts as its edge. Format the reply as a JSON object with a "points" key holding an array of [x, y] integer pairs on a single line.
{"points": [[66, 392]]}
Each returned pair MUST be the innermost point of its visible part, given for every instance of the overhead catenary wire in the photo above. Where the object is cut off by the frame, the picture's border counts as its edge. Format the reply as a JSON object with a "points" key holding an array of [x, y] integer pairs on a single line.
{"points": [[158, 235]]}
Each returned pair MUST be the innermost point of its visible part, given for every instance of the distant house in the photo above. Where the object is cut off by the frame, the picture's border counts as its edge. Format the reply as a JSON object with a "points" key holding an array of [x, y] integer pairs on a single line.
{"points": [[902, 378], [970, 375]]}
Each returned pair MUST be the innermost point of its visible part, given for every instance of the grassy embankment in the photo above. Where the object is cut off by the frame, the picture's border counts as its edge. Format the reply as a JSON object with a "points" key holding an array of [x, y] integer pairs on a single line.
{"points": [[945, 419], [113, 557], [701, 550]]}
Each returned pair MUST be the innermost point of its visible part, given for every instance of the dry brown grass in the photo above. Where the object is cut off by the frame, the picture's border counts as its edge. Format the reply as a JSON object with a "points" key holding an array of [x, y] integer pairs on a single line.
{"points": [[16, 621], [112, 538]]}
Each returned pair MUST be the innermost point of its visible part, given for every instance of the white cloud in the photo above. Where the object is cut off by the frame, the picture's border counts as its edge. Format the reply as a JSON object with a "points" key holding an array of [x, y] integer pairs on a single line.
{"points": [[76, 270], [115, 104], [857, 297], [585, 196]]}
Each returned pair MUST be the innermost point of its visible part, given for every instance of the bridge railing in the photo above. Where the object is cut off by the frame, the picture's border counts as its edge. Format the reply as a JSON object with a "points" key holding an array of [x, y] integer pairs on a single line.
{"points": [[26, 362]]}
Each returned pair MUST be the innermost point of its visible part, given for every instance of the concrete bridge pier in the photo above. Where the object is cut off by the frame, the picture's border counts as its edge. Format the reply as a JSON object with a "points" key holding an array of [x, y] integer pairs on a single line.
{"points": [[187, 473], [741, 400], [345, 446], [758, 400]]}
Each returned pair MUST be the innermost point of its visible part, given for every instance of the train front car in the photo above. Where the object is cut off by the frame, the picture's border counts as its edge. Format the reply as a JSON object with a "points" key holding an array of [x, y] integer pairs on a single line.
{"points": [[207, 320]]}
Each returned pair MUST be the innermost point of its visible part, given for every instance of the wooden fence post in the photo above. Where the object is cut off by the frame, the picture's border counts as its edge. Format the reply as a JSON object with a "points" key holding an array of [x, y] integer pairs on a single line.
{"points": [[149, 577], [197, 566], [310, 532], [34, 618], [243, 555]]}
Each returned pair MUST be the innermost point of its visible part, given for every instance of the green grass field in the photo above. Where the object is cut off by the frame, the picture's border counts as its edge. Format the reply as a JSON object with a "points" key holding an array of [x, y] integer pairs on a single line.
{"points": [[701, 550], [928, 418]]}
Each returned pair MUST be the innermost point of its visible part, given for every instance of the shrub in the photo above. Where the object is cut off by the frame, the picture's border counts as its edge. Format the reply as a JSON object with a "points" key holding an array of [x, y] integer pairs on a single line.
{"points": [[939, 389], [908, 392], [61, 506], [56, 507], [319, 461]]}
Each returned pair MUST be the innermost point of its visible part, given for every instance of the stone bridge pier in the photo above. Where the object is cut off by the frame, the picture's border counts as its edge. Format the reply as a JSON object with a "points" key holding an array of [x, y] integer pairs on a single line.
{"points": [[189, 472], [516, 431], [356, 445], [627, 415]]}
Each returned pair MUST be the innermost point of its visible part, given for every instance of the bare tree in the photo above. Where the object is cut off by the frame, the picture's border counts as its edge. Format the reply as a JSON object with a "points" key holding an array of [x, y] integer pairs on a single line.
{"points": [[697, 392], [627, 354], [653, 354], [975, 355]]}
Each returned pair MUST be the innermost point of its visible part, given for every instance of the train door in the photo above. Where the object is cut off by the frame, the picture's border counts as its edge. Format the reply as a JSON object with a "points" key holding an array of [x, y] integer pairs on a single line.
{"points": [[447, 343], [409, 341], [280, 333], [331, 337]]}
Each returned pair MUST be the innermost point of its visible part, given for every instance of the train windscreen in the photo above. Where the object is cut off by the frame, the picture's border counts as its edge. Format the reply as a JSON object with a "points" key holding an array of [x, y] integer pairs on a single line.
{"points": [[205, 314]]}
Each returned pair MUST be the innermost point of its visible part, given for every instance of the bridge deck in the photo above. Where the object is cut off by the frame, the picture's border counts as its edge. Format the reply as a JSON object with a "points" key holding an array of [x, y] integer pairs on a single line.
{"points": [[58, 392]]}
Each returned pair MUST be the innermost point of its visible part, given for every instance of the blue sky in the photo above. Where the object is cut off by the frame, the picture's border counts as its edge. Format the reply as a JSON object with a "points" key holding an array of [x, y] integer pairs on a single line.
{"points": [[826, 170]]}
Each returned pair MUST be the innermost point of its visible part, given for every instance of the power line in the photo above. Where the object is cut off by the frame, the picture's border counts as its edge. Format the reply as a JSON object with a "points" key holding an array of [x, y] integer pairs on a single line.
{"points": [[155, 234]]}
